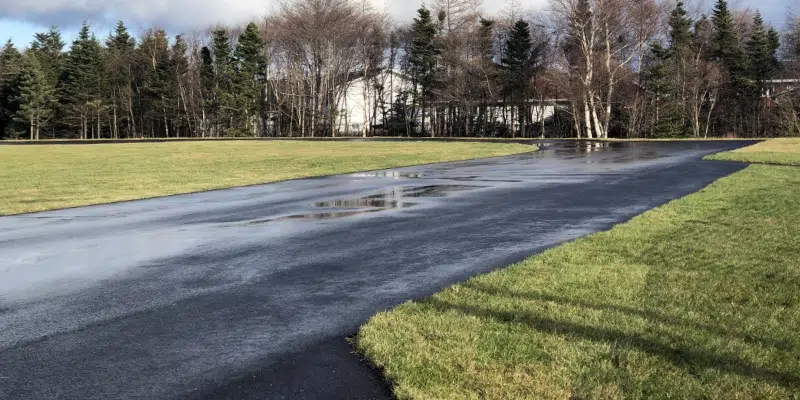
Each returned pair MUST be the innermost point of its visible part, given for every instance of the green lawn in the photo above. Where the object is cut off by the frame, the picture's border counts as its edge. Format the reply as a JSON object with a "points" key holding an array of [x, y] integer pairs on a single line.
{"points": [[775, 151], [698, 299], [37, 178]]}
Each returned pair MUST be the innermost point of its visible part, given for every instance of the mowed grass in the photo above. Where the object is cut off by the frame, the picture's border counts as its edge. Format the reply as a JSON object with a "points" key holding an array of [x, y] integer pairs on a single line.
{"points": [[784, 151], [698, 299], [37, 178]]}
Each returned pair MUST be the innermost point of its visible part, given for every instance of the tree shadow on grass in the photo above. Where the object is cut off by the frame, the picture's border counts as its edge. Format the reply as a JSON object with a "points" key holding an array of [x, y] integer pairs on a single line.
{"points": [[689, 360], [782, 345]]}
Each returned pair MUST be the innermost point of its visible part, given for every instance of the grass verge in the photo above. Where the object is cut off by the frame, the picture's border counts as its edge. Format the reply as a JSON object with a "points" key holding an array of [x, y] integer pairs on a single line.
{"points": [[785, 151], [46, 177], [698, 299]]}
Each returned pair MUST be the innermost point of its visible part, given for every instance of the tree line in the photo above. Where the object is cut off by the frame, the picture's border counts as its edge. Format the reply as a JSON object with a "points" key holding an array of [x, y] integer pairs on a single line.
{"points": [[603, 68]]}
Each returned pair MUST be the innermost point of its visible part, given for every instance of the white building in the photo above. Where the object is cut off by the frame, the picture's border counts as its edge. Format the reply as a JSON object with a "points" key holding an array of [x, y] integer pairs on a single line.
{"points": [[367, 101]]}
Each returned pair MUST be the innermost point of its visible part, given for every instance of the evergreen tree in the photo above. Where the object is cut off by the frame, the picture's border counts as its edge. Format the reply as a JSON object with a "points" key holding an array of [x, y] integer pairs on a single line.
{"points": [[155, 83], [224, 106], [208, 90], [729, 55], [518, 62], [726, 42], [84, 83], [399, 122], [36, 97], [249, 77], [121, 46], [680, 27], [759, 56], [10, 75], [179, 65], [773, 45], [423, 59], [659, 80], [48, 47]]}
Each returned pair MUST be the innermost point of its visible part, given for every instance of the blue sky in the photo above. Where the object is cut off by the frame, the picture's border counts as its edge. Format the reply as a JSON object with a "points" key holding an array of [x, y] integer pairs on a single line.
{"points": [[21, 19]]}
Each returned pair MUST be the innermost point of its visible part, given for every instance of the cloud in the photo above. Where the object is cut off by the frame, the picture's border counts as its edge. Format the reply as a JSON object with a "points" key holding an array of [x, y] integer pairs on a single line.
{"points": [[175, 15], [190, 15]]}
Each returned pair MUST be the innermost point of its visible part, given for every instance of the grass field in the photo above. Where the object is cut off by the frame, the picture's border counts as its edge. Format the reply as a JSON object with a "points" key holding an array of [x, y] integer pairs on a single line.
{"points": [[698, 299], [775, 151], [37, 178]]}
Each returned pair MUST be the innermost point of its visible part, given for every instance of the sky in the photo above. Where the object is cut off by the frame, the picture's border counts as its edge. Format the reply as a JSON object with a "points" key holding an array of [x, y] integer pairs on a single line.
{"points": [[20, 19]]}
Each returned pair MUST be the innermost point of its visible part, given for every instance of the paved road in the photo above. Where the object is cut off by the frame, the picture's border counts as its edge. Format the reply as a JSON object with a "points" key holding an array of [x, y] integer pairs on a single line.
{"points": [[251, 292]]}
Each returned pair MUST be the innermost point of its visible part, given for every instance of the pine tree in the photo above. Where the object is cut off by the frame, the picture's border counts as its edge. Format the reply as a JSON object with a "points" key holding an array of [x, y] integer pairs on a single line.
{"points": [[773, 45], [179, 65], [10, 76], [224, 107], [249, 77], [680, 27], [659, 80], [726, 46], [36, 97], [156, 80], [517, 62], [121, 46], [726, 42], [208, 90], [423, 59], [84, 71], [48, 47], [727, 53], [759, 58]]}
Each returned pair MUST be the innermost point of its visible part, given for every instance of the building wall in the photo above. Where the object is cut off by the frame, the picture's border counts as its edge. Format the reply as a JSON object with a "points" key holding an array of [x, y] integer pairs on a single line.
{"points": [[358, 112]]}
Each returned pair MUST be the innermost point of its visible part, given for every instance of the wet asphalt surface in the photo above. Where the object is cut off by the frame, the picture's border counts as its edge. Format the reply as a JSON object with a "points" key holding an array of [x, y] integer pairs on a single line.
{"points": [[251, 292]]}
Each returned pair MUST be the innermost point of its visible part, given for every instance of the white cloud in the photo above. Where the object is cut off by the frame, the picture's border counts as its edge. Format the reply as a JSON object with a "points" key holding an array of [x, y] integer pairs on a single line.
{"points": [[174, 15]]}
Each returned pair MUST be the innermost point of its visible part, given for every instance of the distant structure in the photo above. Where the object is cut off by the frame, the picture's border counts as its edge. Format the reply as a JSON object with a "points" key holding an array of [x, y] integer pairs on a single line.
{"points": [[368, 101], [776, 87]]}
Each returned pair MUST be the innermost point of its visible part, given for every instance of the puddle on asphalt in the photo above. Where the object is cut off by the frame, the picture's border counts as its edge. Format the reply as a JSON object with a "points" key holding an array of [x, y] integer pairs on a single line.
{"points": [[389, 174], [479, 179], [315, 216], [585, 149], [436, 190], [390, 199]]}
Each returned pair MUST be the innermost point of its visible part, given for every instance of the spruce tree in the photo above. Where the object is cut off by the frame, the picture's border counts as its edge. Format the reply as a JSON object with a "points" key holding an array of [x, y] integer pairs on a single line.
{"points": [[48, 47], [179, 65], [759, 55], [773, 45], [736, 87], [224, 107], [156, 83], [121, 46], [726, 42], [518, 64], [36, 97], [680, 27], [208, 90], [84, 83], [423, 59], [660, 82], [249, 77], [10, 74]]}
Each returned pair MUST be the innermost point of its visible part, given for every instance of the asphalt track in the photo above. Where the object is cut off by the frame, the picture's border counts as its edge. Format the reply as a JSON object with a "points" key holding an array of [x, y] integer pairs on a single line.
{"points": [[251, 292]]}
